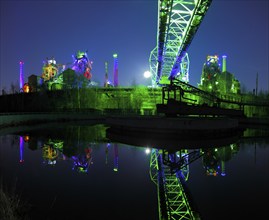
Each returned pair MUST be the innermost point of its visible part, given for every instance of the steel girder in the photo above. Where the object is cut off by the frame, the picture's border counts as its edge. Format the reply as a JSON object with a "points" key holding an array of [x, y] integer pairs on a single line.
{"points": [[178, 21], [172, 200]]}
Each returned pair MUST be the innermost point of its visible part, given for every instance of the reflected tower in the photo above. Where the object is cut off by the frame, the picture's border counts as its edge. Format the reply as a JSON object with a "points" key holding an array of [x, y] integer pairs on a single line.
{"points": [[107, 148], [21, 149], [223, 172], [116, 158]]}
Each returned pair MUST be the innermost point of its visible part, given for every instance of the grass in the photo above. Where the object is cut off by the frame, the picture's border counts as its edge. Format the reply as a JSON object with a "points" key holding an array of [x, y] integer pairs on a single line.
{"points": [[11, 205]]}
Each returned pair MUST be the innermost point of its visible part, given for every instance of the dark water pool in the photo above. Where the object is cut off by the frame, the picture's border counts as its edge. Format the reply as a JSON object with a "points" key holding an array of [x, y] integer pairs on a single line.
{"points": [[75, 172]]}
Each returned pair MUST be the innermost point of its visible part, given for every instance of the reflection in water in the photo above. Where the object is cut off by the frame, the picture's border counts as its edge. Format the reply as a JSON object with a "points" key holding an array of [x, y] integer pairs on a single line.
{"points": [[169, 166], [106, 150], [56, 146], [67, 143], [211, 163], [82, 161], [116, 158], [53, 151], [170, 171], [21, 149]]}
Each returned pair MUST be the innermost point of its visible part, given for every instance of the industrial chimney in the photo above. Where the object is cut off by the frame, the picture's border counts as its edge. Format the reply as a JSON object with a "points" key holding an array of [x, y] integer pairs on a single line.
{"points": [[116, 82], [224, 63], [21, 75]]}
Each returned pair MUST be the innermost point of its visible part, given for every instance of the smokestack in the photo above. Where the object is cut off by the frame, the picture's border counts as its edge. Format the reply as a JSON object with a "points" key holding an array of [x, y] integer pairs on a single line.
{"points": [[106, 75], [21, 76], [116, 82], [224, 63]]}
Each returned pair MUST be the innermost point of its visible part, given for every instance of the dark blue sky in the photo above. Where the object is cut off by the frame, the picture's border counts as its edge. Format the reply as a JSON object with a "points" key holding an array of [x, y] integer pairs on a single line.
{"points": [[34, 30]]}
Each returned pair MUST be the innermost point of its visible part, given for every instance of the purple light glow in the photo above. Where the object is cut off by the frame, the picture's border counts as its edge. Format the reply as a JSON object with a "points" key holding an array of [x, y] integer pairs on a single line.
{"points": [[116, 83], [21, 149], [21, 76]]}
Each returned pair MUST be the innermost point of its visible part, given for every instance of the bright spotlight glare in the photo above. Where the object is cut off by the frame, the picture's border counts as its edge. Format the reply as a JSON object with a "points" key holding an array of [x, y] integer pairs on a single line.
{"points": [[147, 150], [147, 74]]}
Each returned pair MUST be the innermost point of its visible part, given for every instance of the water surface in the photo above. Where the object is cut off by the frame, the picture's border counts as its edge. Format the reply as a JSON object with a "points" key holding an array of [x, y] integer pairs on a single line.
{"points": [[68, 171]]}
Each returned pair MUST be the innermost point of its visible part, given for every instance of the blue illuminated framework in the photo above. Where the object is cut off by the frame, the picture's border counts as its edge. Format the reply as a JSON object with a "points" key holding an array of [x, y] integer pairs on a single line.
{"points": [[178, 21], [172, 197]]}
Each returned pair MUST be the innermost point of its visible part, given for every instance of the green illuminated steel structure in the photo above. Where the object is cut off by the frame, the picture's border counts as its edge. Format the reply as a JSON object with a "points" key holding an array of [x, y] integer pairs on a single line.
{"points": [[178, 21], [170, 172]]}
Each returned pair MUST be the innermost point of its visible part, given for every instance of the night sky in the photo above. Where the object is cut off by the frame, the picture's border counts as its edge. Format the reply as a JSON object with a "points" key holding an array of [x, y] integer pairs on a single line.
{"points": [[31, 31]]}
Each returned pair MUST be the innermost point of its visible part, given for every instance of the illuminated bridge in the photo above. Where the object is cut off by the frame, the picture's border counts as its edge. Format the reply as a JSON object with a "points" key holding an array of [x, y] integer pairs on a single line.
{"points": [[170, 171], [178, 22]]}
